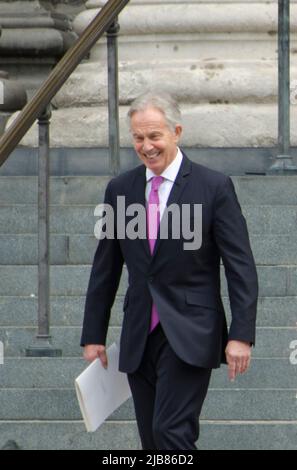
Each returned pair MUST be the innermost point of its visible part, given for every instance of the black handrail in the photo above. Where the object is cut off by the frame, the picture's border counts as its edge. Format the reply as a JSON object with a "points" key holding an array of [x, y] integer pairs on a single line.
{"points": [[58, 77]]}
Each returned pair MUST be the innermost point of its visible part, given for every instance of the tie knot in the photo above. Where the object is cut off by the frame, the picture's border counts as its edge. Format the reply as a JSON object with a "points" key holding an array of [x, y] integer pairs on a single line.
{"points": [[156, 182]]}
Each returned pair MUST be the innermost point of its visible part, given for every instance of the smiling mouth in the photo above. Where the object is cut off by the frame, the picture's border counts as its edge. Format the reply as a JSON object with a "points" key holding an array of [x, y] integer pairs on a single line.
{"points": [[152, 157]]}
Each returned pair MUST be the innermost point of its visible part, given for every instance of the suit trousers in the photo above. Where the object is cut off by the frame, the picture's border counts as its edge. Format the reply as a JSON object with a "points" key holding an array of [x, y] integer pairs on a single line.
{"points": [[168, 395]]}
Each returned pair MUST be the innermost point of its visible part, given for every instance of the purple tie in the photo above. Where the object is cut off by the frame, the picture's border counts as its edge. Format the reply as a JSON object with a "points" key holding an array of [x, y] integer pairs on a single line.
{"points": [[153, 220]]}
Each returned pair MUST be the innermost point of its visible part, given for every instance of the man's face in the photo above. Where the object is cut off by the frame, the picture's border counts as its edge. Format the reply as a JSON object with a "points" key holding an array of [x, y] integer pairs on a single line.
{"points": [[155, 143]]}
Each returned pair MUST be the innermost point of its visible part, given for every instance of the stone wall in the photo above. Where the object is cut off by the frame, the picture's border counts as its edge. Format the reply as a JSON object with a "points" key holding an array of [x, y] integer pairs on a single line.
{"points": [[219, 58]]}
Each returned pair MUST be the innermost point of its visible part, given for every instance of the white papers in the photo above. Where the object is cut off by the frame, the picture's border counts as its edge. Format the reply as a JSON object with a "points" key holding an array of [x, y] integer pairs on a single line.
{"points": [[100, 391]]}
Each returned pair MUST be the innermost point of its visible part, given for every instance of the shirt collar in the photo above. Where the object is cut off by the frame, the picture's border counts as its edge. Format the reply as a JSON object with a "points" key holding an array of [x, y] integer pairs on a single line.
{"points": [[170, 173]]}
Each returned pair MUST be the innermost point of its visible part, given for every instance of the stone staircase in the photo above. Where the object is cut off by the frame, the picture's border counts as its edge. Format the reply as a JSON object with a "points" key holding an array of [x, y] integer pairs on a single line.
{"points": [[219, 59], [39, 408]]}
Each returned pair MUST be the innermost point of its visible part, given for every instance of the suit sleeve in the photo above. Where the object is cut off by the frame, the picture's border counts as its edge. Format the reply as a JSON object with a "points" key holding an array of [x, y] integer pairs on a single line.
{"points": [[103, 285], [232, 238]]}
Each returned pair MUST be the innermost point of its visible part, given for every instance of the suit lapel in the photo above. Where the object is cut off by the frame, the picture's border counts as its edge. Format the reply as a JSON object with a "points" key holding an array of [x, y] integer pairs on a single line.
{"points": [[180, 181], [177, 189], [138, 195]]}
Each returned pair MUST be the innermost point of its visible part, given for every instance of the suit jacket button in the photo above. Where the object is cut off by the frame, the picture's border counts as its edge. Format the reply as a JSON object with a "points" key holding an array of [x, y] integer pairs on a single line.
{"points": [[151, 279]]}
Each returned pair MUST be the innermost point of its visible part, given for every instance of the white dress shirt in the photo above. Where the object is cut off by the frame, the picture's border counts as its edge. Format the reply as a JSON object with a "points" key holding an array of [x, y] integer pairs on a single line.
{"points": [[169, 175]]}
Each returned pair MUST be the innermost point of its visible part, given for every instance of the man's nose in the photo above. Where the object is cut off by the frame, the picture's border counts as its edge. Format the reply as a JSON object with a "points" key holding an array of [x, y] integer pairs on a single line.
{"points": [[147, 145]]}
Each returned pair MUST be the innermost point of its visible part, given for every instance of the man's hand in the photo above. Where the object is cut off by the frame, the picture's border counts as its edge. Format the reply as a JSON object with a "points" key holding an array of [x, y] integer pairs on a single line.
{"points": [[238, 355], [92, 351]]}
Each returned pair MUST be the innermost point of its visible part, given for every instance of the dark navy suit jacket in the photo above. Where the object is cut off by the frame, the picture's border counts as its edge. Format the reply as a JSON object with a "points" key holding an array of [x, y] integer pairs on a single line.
{"points": [[184, 284]]}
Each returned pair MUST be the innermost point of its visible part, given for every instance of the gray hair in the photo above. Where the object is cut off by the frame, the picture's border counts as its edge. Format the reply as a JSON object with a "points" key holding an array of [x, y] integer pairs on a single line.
{"points": [[162, 101]]}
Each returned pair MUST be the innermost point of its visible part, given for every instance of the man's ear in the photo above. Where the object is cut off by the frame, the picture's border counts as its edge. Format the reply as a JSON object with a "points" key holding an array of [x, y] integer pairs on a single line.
{"points": [[178, 131]]}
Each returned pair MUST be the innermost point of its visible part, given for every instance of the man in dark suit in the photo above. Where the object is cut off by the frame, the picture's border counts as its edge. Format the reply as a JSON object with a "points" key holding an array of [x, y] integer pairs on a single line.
{"points": [[174, 329]]}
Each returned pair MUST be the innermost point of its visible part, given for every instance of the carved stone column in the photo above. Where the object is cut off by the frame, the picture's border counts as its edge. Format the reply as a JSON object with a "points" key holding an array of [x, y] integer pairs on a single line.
{"points": [[12, 96], [34, 37]]}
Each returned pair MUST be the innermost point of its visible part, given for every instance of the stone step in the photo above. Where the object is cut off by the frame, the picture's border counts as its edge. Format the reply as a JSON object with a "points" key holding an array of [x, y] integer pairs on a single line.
{"points": [[248, 435], [266, 190], [53, 373], [21, 219], [65, 280], [70, 435], [64, 190], [89, 190], [275, 281], [274, 249], [95, 161], [272, 342], [79, 249], [214, 435], [227, 404], [68, 311]]}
